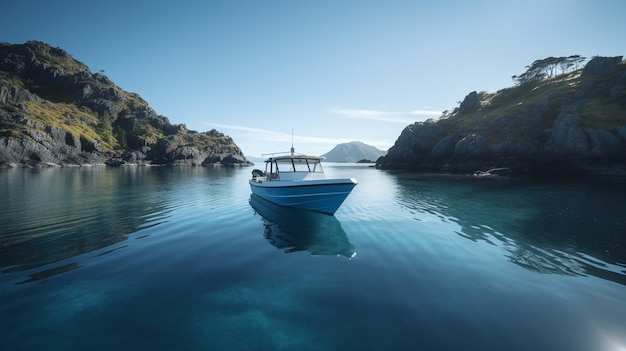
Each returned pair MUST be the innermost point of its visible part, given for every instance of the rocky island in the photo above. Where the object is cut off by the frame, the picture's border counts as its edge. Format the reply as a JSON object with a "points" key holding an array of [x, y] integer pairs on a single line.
{"points": [[571, 122], [556, 119], [55, 112]]}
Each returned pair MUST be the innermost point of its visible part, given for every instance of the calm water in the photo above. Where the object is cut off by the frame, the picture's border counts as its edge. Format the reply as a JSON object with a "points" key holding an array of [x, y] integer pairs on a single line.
{"points": [[178, 259]]}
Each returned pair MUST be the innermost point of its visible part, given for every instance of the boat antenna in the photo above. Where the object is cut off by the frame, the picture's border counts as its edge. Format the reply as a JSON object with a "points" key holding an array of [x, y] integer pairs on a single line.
{"points": [[292, 149]]}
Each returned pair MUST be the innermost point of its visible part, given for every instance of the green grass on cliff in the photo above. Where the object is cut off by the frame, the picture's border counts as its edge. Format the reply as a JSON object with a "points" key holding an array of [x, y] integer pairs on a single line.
{"points": [[80, 122], [602, 114], [597, 112]]}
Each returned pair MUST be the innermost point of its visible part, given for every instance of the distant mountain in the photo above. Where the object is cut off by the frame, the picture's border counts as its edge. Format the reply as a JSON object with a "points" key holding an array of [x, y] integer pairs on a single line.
{"points": [[353, 151]]}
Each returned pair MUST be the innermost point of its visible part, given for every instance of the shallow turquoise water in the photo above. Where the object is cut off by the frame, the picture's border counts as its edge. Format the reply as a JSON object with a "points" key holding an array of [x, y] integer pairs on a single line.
{"points": [[177, 258]]}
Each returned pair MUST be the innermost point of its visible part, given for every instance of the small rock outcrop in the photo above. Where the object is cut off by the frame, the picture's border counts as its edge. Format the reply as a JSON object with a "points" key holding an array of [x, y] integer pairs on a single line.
{"points": [[470, 103], [600, 65]]}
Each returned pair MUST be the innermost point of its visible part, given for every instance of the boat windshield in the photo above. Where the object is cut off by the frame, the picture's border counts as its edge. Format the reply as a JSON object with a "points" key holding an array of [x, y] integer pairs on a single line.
{"points": [[298, 165]]}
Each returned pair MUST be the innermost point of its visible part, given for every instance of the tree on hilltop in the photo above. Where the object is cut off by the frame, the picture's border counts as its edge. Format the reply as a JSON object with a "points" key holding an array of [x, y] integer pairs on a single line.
{"points": [[548, 68]]}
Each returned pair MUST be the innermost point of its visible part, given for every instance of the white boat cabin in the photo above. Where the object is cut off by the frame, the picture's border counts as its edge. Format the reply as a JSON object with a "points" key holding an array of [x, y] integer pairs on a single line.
{"points": [[292, 168]]}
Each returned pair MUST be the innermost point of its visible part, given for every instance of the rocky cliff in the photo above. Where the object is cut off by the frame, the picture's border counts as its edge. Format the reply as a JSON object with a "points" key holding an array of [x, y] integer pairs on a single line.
{"points": [[55, 111], [573, 123]]}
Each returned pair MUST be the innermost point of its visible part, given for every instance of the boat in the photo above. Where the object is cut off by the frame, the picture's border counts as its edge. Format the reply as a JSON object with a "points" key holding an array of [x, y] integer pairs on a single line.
{"points": [[298, 180]]}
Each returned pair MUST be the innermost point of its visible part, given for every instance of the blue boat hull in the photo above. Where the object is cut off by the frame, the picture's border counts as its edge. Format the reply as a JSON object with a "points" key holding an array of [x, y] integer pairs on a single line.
{"points": [[320, 195]]}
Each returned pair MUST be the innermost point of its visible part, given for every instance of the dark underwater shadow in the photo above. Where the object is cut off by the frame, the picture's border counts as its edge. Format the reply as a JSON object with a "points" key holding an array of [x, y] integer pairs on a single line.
{"points": [[292, 230]]}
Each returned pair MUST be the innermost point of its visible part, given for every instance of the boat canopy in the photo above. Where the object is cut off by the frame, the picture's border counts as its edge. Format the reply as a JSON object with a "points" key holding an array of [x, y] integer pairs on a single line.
{"points": [[294, 156], [295, 163]]}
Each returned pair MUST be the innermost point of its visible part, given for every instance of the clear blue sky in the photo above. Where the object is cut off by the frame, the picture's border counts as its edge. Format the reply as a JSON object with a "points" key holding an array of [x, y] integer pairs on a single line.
{"points": [[334, 71]]}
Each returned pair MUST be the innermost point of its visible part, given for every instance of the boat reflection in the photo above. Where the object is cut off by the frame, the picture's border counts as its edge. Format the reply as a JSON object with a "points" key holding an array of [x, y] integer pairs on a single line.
{"points": [[291, 230]]}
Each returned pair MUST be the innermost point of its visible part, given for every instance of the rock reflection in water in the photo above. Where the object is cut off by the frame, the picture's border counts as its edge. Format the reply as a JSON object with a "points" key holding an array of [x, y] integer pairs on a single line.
{"points": [[292, 230], [570, 228]]}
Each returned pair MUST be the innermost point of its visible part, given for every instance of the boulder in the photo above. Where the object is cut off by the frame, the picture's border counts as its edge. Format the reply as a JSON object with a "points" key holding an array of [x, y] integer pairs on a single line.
{"points": [[600, 65], [567, 137], [472, 146], [12, 95], [444, 149], [114, 162], [470, 103], [602, 143]]}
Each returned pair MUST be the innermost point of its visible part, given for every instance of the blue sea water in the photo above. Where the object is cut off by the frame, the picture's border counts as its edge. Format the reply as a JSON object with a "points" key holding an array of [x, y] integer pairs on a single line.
{"points": [[154, 258]]}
